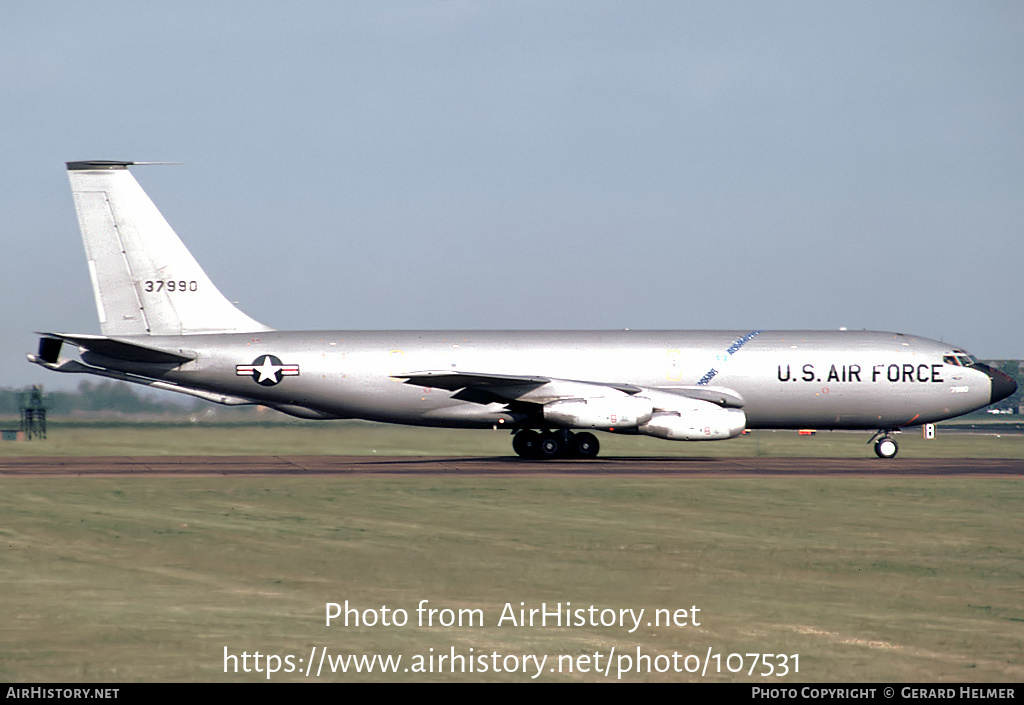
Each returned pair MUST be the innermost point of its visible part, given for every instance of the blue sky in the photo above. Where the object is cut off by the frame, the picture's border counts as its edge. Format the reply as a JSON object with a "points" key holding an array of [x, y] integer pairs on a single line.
{"points": [[663, 165]]}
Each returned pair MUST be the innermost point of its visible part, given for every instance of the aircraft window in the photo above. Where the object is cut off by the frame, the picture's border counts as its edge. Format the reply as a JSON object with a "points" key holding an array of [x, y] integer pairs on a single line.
{"points": [[950, 360], [965, 360]]}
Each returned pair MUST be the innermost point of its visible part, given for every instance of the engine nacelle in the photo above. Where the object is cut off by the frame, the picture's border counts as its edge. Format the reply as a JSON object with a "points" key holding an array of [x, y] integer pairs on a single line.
{"points": [[599, 412], [708, 423]]}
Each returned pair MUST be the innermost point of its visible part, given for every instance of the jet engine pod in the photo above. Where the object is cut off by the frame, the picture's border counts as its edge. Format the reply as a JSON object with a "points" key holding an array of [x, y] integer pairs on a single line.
{"points": [[710, 423], [599, 412]]}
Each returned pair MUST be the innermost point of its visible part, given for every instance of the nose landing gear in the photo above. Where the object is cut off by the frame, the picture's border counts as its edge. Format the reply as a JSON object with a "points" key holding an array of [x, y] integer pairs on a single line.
{"points": [[885, 447]]}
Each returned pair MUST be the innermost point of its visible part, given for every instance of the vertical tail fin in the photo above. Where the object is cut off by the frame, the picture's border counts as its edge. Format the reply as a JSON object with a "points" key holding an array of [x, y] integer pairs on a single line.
{"points": [[145, 281]]}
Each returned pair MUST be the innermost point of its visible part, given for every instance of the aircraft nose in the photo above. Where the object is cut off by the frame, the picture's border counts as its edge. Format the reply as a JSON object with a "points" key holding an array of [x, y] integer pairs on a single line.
{"points": [[1003, 385]]}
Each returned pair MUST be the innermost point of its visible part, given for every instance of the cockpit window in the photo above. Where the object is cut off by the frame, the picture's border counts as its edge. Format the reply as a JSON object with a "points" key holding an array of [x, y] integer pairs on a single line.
{"points": [[960, 359]]}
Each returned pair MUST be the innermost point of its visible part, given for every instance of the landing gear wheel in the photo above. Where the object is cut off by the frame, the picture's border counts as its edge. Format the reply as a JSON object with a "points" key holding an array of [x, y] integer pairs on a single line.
{"points": [[525, 444], [886, 447], [551, 445], [585, 446]]}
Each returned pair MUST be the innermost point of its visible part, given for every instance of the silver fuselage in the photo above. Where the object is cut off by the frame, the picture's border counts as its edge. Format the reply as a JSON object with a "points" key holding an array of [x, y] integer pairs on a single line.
{"points": [[786, 379]]}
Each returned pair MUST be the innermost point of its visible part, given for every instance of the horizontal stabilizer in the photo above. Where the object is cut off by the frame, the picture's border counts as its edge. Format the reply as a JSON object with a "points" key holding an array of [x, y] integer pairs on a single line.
{"points": [[76, 367], [113, 348]]}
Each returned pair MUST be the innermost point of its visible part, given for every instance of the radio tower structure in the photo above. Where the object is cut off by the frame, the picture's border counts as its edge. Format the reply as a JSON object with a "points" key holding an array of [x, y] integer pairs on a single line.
{"points": [[33, 413]]}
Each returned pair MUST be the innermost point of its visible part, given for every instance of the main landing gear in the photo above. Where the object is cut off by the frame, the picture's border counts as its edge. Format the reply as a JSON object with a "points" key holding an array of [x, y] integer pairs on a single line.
{"points": [[549, 445], [885, 447]]}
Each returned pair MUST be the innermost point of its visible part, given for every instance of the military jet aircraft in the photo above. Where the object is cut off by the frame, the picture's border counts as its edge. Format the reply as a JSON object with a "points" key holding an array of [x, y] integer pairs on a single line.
{"points": [[165, 325]]}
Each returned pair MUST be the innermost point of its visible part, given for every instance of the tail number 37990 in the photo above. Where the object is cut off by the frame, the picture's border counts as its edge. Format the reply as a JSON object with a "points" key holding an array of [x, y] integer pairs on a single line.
{"points": [[170, 285]]}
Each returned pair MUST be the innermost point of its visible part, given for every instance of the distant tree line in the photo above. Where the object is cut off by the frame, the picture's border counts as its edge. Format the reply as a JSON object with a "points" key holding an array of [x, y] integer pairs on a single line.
{"points": [[105, 395], [1015, 369]]}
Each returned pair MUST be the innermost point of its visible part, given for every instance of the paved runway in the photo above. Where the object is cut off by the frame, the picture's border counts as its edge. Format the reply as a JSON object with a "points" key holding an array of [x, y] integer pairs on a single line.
{"points": [[352, 465]]}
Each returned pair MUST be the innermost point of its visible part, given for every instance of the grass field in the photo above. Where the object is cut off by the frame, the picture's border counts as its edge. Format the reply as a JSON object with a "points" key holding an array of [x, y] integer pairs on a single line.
{"points": [[363, 438], [151, 579]]}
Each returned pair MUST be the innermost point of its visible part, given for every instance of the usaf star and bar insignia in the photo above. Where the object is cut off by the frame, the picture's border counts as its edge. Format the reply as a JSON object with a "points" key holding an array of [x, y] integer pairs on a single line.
{"points": [[267, 370]]}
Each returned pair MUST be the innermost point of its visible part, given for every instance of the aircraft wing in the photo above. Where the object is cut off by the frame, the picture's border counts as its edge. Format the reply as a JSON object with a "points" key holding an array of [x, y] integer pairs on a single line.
{"points": [[720, 396], [515, 387], [678, 413], [451, 380], [489, 387]]}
